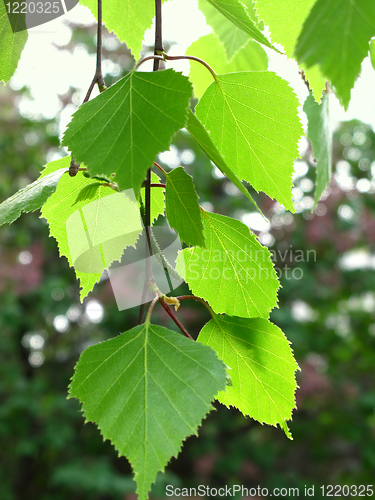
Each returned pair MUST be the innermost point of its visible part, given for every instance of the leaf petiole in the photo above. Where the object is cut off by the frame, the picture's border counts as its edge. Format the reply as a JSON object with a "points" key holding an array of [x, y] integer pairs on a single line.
{"points": [[193, 58], [198, 299]]}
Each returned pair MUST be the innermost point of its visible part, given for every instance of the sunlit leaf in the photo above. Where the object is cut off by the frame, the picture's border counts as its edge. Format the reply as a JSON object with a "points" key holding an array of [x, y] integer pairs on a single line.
{"points": [[234, 273], [11, 43], [285, 20], [319, 132], [251, 57], [232, 37], [336, 36], [262, 367], [236, 12], [196, 130], [91, 233], [128, 20], [253, 121], [88, 192]]}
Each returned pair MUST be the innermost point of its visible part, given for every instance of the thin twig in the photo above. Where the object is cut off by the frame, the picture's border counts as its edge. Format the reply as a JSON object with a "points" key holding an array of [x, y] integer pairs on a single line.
{"points": [[198, 299], [158, 34], [154, 185], [98, 77], [149, 276], [148, 58], [143, 304], [193, 58], [99, 45], [174, 317], [160, 168]]}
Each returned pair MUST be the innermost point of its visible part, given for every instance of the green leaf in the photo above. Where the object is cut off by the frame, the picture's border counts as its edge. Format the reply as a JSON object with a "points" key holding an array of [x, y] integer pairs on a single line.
{"points": [[127, 19], [372, 52], [262, 367], [252, 119], [157, 198], [182, 208], [232, 37], [237, 13], [11, 43], [251, 57], [336, 35], [91, 233], [147, 390], [124, 128], [30, 198], [196, 130], [285, 23], [319, 132], [235, 273], [88, 192]]}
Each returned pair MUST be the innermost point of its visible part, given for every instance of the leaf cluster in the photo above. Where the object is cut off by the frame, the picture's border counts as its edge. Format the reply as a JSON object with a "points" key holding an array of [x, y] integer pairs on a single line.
{"points": [[149, 388]]}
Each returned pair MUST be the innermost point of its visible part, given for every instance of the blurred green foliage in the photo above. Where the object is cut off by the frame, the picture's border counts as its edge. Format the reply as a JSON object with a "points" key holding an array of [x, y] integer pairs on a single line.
{"points": [[327, 311]]}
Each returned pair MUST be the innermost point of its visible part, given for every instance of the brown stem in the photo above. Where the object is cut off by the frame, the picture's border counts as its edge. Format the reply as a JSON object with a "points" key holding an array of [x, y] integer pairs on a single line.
{"points": [[158, 33], [155, 57], [198, 299], [99, 45], [174, 317], [160, 168], [305, 80], [149, 276], [155, 185], [98, 77]]}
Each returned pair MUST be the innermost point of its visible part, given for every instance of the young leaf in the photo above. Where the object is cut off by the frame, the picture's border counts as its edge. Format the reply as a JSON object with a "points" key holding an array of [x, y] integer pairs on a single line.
{"points": [[234, 273], [319, 132], [30, 198], [88, 192], [182, 208], [262, 367], [91, 233], [236, 12], [232, 37], [127, 19], [196, 130], [336, 35], [253, 121], [251, 57], [124, 128], [285, 23], [147, 390], [11, 43]]}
